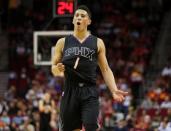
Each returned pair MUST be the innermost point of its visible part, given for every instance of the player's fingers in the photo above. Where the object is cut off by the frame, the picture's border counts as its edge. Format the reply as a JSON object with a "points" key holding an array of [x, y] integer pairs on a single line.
{"points": [[60, 66], [123, 92], [63, 67], [121, 98], [118, 99]]}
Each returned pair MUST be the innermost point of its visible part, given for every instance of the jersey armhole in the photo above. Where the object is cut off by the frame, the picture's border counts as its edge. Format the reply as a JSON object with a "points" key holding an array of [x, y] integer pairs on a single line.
{"points": [[65, 43], [98, 48]]}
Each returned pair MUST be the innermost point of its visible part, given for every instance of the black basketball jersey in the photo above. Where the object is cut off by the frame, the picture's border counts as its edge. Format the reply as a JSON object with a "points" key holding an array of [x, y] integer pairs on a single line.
{"points": [[87, 53]]}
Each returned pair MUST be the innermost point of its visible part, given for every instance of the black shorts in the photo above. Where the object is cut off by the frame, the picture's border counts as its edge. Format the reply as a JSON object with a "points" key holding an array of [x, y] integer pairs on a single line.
{"points": [[79, 107]]}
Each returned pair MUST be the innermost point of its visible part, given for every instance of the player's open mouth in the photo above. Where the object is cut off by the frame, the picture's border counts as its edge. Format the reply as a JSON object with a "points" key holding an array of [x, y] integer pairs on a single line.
{"points": [[78, 23]]}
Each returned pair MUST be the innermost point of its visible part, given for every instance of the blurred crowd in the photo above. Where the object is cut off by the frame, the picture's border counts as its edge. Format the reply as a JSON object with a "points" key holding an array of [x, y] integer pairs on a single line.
{"points": [[129, 30]]}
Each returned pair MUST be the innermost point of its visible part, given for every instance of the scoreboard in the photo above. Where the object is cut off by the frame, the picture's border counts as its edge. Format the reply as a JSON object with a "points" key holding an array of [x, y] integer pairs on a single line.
{"points": [[64, 8]]}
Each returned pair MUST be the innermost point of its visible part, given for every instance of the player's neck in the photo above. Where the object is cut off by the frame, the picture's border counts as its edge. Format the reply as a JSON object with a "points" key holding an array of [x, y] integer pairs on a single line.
{"points": [[81, 35]]}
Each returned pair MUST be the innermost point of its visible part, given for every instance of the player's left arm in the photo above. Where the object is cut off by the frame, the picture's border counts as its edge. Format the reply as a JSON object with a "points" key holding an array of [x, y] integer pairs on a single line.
{"points": [[41, 106], [108, 76]]}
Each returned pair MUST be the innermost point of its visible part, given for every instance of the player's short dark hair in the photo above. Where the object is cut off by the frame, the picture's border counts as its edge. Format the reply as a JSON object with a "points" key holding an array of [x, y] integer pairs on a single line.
{"points": [[84, 7]]}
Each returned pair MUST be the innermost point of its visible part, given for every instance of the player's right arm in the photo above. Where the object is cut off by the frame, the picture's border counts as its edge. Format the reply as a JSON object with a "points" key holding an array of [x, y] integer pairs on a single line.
{"points": [[57, 67]]}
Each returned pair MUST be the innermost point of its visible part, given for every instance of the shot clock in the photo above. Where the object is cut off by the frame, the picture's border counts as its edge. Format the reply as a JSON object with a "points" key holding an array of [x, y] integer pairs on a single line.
{"points": [[64, 8]]}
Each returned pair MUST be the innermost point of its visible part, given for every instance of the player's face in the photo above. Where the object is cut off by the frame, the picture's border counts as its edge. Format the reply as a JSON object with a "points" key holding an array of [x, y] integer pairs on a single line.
{"points": [[81, 19], [47, 96]]}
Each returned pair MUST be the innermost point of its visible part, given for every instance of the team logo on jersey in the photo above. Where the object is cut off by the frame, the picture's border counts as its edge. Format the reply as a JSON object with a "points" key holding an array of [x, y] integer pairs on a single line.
{"points": [[81, 51]]}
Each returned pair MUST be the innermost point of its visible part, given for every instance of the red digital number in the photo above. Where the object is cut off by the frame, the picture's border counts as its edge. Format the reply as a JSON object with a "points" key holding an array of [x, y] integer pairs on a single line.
{"points": [[64, 6]]}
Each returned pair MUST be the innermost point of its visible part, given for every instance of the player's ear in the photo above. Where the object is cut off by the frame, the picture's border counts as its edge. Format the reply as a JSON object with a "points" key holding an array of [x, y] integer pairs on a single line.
{"points": [[73, 21], [89, 22]]}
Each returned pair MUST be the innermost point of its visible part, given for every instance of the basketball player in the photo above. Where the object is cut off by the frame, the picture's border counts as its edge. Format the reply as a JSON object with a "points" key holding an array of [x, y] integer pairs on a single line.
{"points": [[46, 107], [77, 56]]}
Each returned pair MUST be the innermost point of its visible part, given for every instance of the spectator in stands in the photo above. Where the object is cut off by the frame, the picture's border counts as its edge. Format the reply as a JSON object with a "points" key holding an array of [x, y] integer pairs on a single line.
{"points": [[166, 103], [166, 70], [6, 120], [26, 125], [18, 119], [147, 103], [10, 94], [165, 125], [121, 126], [3, 105], [13, 109]]}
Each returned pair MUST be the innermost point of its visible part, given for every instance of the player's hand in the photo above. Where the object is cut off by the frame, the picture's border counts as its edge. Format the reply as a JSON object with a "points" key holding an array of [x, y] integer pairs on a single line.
{"points": [[47, 109], [119, 95], [61, 67], [58, 70]]}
